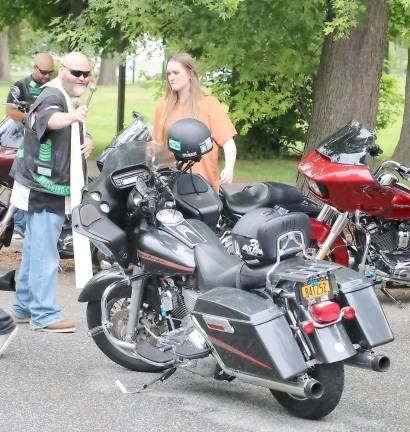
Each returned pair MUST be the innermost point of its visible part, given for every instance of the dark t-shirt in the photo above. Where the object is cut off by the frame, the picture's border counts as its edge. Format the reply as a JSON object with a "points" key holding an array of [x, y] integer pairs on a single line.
{"points": [[29, 90]]}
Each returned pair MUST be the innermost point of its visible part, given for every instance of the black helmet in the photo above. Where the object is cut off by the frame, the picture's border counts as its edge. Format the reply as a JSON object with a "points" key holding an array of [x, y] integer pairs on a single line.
{"points": [[189, 139]]}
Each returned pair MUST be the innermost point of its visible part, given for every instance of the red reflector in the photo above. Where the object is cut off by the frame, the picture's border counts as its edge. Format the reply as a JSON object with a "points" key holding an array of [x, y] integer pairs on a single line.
{"points": [[325, 312], [349, 312], [308, 327], [216, 327]]}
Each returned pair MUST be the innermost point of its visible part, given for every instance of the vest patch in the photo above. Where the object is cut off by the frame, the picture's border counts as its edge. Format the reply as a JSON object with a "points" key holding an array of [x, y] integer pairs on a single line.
{"points": [[53, 187], [45, 152]]}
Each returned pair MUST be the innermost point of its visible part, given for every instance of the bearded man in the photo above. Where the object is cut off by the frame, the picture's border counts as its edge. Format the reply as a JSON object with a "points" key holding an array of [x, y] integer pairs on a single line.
{"points": [[42, 188]]}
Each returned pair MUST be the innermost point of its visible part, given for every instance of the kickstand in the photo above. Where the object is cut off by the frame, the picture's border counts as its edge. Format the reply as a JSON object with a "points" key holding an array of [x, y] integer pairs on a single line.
{"points": [[133, 390], [390, 296]]}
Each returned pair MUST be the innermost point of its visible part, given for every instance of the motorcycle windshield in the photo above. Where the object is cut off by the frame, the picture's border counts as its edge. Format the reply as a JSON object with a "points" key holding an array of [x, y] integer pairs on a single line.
{"points": [[348, 146], [151, 154]]}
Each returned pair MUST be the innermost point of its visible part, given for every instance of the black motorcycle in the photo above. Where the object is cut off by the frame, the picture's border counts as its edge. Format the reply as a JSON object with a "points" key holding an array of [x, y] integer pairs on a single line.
{"points": [[176, 299]]}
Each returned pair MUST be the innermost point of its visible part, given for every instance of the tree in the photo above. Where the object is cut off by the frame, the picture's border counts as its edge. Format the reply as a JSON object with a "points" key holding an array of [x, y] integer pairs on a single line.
{"points": [[348, 79], [108, 70], [4, 57], [402, 150]]}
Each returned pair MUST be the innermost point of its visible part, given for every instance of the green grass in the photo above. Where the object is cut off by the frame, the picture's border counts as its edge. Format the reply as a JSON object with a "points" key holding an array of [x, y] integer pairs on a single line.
{"points": [[103, 117]]}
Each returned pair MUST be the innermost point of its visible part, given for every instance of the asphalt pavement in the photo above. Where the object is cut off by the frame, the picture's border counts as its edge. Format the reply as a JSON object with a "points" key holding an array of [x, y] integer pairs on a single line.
{"points": [[62, 382]]}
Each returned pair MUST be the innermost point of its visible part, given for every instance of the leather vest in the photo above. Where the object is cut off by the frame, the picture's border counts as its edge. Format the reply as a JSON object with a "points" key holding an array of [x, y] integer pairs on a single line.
{"points": [[44, 165]]}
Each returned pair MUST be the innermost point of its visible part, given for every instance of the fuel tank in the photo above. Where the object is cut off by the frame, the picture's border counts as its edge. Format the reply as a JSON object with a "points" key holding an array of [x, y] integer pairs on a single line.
{"points": [[169, 249]]}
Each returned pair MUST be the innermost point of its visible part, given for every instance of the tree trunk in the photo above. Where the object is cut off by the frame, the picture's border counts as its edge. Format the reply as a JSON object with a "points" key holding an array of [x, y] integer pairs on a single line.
{"points": [[402, 152], [348, 80], [4, 57], [108, 70]]}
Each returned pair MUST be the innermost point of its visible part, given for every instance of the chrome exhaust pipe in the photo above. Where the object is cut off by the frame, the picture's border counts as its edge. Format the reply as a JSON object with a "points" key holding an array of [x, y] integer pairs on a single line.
{"points": [[370, 360], [310, 388]]}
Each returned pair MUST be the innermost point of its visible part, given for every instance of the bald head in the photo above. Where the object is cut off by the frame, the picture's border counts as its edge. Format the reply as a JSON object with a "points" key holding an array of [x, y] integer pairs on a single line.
{"points": [[74, 73], [43, 67]]}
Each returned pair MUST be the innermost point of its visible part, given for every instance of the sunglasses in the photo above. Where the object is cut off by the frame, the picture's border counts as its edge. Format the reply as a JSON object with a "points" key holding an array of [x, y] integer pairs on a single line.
{"points": [[78, 73], [44, 72]]}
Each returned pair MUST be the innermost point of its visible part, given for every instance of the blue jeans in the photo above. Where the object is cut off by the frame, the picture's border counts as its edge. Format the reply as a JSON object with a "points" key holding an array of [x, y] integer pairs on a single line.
{"points": [[20, 221], [37, 282]]}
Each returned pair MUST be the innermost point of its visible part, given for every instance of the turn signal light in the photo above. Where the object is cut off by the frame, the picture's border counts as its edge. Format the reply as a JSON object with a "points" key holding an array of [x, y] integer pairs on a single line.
{"points": [[325, 312], [308, 327], [349, 312]]}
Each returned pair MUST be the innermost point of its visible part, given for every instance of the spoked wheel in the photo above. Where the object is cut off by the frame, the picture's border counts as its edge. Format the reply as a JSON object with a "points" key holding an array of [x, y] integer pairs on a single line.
{"points": [[117, 312], [332, 377]]}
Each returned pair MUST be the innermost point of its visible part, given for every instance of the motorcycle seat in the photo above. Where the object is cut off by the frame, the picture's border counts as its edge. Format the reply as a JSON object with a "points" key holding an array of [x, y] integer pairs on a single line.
{"points": [[266, 194], [216, 268]]}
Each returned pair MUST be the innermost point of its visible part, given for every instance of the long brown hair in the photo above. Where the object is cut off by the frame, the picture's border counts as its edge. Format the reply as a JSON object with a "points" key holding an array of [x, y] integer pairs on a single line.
{"points": [[171, 97]]}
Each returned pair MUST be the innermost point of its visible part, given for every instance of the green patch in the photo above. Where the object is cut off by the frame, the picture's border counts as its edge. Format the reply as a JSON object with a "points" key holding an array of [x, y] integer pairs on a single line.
{"points": [[53, 187], [45, 152], [174, 145]]}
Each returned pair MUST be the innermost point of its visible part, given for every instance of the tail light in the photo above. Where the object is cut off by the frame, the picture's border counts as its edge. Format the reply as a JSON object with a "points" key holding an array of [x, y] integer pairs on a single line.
{"points": [[325, 312], [349, 312]]}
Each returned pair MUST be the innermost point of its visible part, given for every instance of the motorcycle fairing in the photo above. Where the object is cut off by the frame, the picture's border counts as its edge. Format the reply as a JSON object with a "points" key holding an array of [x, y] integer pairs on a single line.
{"points": [[261, 343]]}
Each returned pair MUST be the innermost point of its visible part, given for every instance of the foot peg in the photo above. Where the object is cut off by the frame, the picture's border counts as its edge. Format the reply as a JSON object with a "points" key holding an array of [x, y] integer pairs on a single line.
{"points": [[153, 354], [134, 390]]}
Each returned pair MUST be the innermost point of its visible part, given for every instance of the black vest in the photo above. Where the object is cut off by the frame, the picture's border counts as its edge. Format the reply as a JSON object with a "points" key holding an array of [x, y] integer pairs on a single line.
{"points": [[45, 165]]}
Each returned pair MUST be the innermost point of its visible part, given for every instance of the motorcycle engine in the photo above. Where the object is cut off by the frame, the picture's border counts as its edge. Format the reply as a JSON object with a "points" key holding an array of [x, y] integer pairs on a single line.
{"points": [[178, 299], [390, 236]]}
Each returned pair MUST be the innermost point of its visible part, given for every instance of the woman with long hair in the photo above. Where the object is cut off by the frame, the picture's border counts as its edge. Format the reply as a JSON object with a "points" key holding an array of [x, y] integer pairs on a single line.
{"points": [[185, 99]]}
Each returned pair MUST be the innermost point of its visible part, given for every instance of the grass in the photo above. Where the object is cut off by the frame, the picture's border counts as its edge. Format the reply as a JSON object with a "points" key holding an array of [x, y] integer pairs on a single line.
{"points": [[102, 125]]}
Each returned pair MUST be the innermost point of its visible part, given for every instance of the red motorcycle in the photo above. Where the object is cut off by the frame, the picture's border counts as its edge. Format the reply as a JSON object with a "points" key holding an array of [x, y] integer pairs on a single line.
{"points": [[365, 220]]}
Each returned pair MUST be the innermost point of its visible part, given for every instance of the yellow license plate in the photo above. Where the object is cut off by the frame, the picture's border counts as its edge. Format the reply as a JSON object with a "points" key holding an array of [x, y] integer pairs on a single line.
{"points": [[316, 288]]}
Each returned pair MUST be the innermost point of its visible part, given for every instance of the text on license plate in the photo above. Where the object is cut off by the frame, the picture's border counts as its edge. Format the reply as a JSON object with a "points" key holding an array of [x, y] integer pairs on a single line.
{"points": [[316, 288]]}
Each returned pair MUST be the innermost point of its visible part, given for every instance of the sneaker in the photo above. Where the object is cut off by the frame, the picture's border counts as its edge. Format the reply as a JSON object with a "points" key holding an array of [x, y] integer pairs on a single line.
{"points": [[62, 326], [18, 236], [20, 319], [5, 339]]}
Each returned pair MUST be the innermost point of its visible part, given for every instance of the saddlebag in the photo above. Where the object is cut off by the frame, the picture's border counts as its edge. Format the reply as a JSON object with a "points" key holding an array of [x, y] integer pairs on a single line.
{"points": [[370, 327], [249, 333]]}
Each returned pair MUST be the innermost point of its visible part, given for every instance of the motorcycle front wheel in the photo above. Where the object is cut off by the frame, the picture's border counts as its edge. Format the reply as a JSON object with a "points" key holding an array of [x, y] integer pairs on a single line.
{"points": [[118, 307], [332, 377]]}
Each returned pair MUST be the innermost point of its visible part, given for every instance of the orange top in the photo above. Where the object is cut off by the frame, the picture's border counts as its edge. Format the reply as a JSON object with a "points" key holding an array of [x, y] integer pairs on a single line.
{"points": [[211, 113]]}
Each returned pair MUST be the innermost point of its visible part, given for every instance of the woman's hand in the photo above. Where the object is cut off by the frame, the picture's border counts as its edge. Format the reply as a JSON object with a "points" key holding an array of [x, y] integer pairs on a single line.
{"points": [[87, 147], [226, 176]]}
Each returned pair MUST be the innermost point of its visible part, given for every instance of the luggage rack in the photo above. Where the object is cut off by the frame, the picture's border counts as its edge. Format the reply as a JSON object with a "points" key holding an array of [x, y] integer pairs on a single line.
{"points": [[302, 272]]}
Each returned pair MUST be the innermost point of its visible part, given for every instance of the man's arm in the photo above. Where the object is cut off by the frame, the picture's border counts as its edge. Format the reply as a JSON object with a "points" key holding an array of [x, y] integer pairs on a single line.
{"points": [[16, 114], [60, 120]]}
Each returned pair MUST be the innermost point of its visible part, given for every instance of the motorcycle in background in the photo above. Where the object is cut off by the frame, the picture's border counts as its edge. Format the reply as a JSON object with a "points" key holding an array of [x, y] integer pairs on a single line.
{"points": [[365, 220], [176, 299]]}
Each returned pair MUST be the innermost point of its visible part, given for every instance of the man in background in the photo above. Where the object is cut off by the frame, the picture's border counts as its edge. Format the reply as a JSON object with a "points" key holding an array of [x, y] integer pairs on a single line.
{"points": [[28, 90]]}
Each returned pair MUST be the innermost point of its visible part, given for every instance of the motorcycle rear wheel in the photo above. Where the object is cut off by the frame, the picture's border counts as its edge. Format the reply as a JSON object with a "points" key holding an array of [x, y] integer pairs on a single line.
{"points": [[332, 377], [120, 356]]}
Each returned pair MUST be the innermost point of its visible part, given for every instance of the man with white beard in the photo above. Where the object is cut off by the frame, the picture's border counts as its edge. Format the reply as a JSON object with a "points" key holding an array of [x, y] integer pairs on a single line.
{"points": [[42, 189]]}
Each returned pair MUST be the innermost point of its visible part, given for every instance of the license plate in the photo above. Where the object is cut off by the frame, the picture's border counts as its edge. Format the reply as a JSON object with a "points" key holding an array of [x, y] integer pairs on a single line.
{"points": [[315, 288]]}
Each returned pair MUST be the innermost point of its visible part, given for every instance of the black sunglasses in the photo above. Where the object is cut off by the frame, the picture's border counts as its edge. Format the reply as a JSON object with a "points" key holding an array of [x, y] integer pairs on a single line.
{"points": [[78, 73], [44, 72]]}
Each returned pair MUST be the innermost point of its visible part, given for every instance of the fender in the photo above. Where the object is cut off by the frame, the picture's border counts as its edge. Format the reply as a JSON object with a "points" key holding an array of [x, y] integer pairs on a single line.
{"points": [[95, 287], [320, 232]]}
